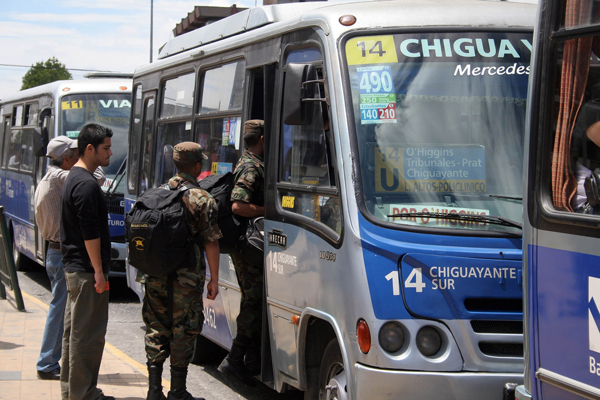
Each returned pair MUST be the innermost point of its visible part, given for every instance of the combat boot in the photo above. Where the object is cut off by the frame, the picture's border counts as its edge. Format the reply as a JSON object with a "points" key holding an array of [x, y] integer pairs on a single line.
{"points": [[178, 390], [155, 381], [233, 364], [252, 360]]}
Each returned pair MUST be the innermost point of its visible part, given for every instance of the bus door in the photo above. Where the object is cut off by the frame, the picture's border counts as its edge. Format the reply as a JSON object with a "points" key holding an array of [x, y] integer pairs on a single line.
{"points": [[45, 123], [304, 222]]}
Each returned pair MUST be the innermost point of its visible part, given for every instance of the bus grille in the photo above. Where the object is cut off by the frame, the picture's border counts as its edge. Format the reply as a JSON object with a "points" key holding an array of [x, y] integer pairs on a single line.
{"points": [[494, 305], [501, 349], [510, 327]]}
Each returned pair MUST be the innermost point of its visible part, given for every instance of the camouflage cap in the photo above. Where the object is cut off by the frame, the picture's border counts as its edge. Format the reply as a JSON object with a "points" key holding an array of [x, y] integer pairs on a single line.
{"points": [[254, 126], [188, 152]]}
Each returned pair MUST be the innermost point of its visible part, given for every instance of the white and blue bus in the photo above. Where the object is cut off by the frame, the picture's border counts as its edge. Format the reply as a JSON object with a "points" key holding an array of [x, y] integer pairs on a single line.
{"points": [[30, 118], [561, 236], [394, 157]]}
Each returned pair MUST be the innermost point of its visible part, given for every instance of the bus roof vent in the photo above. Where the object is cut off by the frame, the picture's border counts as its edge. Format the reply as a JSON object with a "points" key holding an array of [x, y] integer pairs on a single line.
{"points": [[233, 25], [104, 75]]}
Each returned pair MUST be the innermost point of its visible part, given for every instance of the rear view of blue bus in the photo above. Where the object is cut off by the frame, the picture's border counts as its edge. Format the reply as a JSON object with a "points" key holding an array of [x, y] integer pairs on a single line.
{"points": [[439, 120]]}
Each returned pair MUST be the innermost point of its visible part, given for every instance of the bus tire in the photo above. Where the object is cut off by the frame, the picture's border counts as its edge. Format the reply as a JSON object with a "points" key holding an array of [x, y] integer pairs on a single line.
{"points": [[332, 374], [207, 352]]}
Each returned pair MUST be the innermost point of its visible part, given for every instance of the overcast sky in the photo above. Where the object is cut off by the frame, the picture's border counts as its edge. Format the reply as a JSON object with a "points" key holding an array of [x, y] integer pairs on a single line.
{"points": [[108, 35]]}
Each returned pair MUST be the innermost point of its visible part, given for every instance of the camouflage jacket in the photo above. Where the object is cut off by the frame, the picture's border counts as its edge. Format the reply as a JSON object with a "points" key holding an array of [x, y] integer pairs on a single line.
{"points": [[202, 215], [249, 176]]}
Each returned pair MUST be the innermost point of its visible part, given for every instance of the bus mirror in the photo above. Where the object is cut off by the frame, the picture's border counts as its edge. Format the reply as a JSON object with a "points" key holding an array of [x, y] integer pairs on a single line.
{"points": [[300, 81]]}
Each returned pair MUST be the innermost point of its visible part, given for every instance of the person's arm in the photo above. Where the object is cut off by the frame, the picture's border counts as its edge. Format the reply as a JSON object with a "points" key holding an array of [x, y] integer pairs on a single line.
{"points": [[247, 210], [93, 250], [593, 133], [212, 256]]}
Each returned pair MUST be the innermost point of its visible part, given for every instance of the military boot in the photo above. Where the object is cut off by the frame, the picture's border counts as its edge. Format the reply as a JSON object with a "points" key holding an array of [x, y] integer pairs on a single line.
{"points": [[155, 381], [252, 360], [178, 390], [233, 364]]}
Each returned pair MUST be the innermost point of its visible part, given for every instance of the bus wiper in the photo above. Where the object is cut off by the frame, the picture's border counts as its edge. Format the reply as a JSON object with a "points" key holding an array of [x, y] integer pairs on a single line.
{"points": [[499, 196], [490, 219], [121, 170]]}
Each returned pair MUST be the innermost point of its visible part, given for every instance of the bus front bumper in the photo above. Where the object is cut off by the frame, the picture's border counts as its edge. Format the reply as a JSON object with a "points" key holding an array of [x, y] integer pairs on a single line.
{"points": [[373, 383]]}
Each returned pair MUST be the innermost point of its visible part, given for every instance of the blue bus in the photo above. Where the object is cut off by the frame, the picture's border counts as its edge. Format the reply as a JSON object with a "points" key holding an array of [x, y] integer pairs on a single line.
{"points": [[394, 159], [561, 246], [33, 116]]}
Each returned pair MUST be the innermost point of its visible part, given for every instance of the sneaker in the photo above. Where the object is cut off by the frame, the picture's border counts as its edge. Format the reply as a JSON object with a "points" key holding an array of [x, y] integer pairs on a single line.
{"points": [[53, 375]]}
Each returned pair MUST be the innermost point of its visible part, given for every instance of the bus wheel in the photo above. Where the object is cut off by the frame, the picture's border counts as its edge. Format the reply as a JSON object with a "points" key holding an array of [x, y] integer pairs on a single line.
{"points": [[332, 375], [207, 352]]}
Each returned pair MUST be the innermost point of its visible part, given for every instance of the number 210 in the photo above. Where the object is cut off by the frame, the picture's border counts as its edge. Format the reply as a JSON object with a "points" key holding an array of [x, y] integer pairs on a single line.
{"points": [[414, 280]]}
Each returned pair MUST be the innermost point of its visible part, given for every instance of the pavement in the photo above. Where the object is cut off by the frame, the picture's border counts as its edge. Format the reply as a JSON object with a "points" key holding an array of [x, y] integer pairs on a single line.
{"points": [[20, 342]]}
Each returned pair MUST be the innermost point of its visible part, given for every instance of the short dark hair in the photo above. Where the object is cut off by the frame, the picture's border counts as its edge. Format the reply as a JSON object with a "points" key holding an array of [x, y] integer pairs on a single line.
{"points": [[186, 166], [93, 134], [250, 139]]}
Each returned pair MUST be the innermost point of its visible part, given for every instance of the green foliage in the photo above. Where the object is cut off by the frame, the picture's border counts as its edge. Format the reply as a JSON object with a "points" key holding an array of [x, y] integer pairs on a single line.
{"points": [[45, 72]]}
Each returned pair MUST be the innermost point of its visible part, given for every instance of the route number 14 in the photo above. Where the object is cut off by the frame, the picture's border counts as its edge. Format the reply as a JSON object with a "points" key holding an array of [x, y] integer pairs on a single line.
{"points": [[414, 280]]}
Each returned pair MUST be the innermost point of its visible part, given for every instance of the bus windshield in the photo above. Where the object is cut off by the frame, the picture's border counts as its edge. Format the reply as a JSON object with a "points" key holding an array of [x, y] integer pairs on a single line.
{"points": [[439, 121], [108, 109]]}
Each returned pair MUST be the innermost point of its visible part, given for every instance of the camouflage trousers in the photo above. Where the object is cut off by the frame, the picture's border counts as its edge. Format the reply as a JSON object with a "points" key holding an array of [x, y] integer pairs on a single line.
{"points": [[249, 320], [173, 336]]}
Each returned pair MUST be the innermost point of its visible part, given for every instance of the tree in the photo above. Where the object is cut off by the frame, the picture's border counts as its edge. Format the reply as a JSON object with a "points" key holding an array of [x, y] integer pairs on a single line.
{"points": [[45, 72]]}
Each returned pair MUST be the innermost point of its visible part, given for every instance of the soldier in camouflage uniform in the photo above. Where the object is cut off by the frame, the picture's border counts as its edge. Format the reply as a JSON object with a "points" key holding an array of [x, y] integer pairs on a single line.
{"points": [[248, 201], [172, 332]]}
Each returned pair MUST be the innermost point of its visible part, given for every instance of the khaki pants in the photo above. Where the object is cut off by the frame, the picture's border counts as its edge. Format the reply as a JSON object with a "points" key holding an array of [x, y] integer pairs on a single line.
{"points": [[86, 318]]}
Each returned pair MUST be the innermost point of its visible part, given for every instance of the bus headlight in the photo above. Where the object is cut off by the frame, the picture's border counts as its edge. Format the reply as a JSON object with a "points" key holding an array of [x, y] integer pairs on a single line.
{"points": [[391, 337], [429, 341]]}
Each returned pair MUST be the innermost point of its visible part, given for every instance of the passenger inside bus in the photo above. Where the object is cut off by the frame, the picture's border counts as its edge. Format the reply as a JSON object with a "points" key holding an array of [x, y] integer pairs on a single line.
{"points": [[585, 151]]}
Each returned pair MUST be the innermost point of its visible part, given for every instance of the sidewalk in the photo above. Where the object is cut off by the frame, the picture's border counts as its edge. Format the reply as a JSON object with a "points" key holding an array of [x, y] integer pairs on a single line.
{"points": [[20, 342]]}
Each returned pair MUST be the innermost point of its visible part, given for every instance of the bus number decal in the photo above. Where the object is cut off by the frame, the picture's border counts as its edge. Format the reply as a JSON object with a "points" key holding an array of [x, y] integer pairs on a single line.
{"points": [[418, 280], [72, 104], [395, 282], [371, 50]]}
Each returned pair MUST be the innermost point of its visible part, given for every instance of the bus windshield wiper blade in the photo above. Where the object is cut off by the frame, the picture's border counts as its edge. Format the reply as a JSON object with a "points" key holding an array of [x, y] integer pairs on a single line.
{"points": [[500, 196], [490, 219]]}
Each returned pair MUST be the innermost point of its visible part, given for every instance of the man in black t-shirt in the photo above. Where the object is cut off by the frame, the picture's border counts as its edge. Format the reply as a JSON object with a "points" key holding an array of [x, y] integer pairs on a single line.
{"points": [[85, 245]]}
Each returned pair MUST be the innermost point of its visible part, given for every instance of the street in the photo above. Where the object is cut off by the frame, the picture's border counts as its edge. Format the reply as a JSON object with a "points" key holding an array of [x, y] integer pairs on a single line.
{"points": [[126, 333]]}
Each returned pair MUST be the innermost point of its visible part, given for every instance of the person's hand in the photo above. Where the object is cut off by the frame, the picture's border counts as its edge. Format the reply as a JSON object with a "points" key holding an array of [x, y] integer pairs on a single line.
{"points": [[101, 284], [212, 290]]}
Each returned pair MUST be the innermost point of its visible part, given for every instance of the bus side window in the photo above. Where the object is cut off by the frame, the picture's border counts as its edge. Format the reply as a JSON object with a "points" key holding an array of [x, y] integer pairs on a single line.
{"points": [[27, 156], [220, 136], [576, 154], [176, 125], [13, 148], [168, 136]]}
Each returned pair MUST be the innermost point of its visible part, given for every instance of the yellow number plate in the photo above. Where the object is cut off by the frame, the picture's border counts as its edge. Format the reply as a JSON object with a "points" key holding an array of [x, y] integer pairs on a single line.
{"points": [[371, 50]]}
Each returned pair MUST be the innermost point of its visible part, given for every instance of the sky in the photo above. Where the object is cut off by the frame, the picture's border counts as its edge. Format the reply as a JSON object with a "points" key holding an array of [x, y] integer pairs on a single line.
{"points": [[106, 35]]}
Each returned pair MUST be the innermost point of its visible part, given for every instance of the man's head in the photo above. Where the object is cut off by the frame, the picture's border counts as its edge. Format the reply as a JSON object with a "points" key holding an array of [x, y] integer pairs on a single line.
{"points": [[254, 130], [62, 152], [188, 157], [94, 145]]}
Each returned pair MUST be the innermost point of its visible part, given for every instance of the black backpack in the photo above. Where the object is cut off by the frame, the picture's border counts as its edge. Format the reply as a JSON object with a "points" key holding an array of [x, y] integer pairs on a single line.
{"points": [[232, 226], [157, 233]]}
